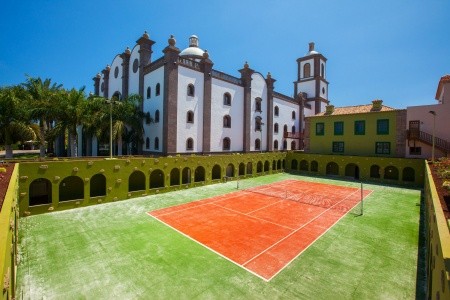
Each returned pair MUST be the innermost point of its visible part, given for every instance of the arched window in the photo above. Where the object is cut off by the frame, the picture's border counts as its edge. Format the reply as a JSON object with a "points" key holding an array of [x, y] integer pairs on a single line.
{"points": [[284, 145], [285, 128], [293, 115], [226, 143], [226, 99], [258, 104], [257, 144], [293, 145], [189, 144], [322, 70], [293, 129], [116, 96], [258, 123], [227, 121], [190, 117], [157, 116], [275, 144], [157, 89], [275, 128], [306, 70], [149, 92], [276, 111], [190, 90], [147, 143], [156, 143]]}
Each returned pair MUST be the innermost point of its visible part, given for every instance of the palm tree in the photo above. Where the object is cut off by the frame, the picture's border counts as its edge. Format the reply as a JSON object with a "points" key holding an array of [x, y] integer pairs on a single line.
{"points": [[14, 123], [127, 120], [43, 105], [95, 119], [69, 116]]}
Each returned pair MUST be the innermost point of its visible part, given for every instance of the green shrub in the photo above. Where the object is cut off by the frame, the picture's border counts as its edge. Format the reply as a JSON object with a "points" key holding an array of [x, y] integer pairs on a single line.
{"points": [[2, 170]]}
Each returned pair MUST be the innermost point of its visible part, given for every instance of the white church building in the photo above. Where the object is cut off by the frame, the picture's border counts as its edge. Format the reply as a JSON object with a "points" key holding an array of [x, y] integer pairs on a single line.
{"points": [[197, 109]]}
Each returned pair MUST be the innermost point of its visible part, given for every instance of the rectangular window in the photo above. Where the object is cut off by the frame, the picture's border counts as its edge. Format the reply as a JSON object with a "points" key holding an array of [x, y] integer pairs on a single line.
{"points": [[320, 128], [338, 147], [415, 150], [360, 127], [338, 128], [383, 126], [382, 147]]}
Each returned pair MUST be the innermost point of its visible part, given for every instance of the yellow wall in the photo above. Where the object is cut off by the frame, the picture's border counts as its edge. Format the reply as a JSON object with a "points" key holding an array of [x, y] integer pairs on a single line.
{"points": [[364, 164], [438, 246], [8, 238], [363, 145]]}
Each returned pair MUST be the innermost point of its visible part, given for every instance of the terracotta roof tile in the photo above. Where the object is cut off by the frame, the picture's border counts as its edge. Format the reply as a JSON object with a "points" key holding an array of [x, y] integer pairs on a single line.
{"points": [[358, 109], [444, 79]]}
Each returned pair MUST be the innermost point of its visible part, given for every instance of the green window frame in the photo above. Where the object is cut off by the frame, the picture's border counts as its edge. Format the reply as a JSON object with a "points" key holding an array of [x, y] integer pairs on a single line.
{"points": [[382, 148], [360, 127], [338, 147], [383, 126], [320, 128], [339, 128]]}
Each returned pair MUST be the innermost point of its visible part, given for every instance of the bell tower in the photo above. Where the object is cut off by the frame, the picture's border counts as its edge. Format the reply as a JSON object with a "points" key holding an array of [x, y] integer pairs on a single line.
{"points": [[311, 79]]}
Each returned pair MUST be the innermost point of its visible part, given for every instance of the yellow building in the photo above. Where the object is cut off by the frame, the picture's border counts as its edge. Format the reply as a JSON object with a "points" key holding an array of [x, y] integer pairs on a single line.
{"points": [[365, 130]]}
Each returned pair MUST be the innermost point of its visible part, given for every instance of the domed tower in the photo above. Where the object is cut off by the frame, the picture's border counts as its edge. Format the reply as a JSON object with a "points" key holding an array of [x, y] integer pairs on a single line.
{"points": [[311, 79], [193, 51]]}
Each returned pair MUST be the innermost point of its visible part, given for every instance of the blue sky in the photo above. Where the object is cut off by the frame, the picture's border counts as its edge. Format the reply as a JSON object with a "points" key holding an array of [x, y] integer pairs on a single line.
{"points": [[391, 50]]}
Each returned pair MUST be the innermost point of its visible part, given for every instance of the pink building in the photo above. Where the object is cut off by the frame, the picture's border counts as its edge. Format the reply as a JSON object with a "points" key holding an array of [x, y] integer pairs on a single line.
{"points": [[421, 120]]}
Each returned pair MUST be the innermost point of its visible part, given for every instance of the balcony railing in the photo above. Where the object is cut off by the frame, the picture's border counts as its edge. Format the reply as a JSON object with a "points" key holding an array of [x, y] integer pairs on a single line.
{"points": [[293, 135], [415, 134]]}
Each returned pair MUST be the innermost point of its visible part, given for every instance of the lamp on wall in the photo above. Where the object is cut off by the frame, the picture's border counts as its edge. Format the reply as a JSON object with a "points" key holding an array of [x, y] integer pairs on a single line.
{"points": [[434, 128]]}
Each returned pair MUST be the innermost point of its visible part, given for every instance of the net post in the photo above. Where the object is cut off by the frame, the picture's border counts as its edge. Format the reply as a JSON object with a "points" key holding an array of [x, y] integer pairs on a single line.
{"points": [[237, 183], [362, 202]]}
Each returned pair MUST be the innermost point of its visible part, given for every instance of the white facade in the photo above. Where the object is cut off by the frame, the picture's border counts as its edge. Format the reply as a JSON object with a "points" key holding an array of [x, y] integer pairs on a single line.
{"points": [[229, 127], [219, 110], [187, 103], [154, 105], [133, 83], [115, 77], [285, 119]]}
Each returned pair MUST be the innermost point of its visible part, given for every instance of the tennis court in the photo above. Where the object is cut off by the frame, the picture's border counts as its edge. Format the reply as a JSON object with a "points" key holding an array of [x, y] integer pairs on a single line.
{"points": [[262, 229]]}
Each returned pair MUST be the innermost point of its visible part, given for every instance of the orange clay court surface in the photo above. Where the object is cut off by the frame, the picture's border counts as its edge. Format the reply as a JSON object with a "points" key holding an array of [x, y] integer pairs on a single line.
{"points": [[264, 228]]}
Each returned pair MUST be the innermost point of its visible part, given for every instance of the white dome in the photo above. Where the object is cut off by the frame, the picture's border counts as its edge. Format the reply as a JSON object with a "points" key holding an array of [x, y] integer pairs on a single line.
{"points": [[193, 50]]}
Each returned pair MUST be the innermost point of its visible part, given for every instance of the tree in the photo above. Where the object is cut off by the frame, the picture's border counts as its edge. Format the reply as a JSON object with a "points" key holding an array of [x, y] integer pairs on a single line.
{"points": [[43, 107], [69, 114], [14, 121], [127, 120]]}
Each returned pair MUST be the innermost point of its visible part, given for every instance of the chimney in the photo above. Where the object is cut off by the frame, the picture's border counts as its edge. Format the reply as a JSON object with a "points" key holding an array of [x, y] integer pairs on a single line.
{"points": [[311, 46], [329, 109], [377, 104]]}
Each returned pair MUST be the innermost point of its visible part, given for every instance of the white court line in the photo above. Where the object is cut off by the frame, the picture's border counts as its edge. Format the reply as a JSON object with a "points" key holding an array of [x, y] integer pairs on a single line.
{"points": [[243, 265], [183, 209], [218, 253], [256, 218], [313, 219], [287, 264]]}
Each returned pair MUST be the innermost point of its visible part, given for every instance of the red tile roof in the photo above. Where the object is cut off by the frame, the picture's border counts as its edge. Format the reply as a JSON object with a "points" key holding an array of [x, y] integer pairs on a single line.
{"points": [[358, 109], [444, 79]]}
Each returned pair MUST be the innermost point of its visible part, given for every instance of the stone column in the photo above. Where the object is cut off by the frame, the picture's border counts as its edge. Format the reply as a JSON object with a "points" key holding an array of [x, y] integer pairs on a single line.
{"points": [[105, 72], [400, 133], [207, 95], [170, 105], [97, 84], [269, 81], [145, 58], [246, 77], [125, 71]]}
